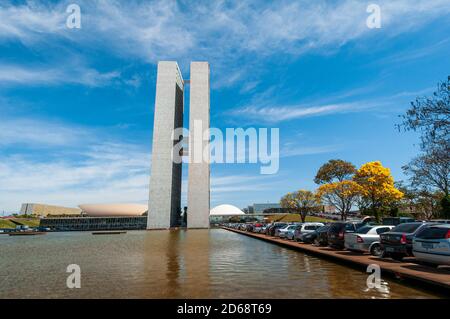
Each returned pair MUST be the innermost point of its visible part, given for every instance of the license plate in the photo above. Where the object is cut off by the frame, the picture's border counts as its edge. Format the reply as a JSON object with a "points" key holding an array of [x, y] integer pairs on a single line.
{"points": [[389, 249], [427, 245]]}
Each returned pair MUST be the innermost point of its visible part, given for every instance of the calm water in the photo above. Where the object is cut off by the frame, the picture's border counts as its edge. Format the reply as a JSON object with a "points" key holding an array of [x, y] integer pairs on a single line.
{"points": [[176, 264]]}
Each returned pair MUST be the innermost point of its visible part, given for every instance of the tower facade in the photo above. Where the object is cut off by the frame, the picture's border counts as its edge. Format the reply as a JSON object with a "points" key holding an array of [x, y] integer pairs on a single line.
{"points": [[165, 181], [199, 152]]}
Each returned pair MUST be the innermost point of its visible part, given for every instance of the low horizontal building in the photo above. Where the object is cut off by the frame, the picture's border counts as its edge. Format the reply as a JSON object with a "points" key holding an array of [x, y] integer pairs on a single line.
{"points": [[109, 210], [259, 208], [95, 223], [48, 210], [91, 217]]}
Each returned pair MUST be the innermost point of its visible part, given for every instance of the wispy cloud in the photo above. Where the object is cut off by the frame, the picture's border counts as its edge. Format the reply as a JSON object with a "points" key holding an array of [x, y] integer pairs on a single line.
{"points": [[66, 164], [300, 150], [275, 114], [40, 133], [231, 35], [35, 76]]}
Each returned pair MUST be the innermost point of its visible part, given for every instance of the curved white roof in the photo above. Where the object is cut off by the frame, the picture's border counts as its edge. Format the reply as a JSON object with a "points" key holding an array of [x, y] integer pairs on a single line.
{"points": [[105, 210], [225, 210]]}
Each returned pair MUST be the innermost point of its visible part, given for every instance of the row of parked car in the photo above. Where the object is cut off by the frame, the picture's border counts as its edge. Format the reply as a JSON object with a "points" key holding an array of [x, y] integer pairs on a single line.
{"points": [[396, 238]]}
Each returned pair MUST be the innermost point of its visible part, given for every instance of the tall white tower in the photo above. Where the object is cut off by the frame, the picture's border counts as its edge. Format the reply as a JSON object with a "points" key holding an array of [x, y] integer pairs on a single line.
{"points": [[165, 181], [199, 152]]}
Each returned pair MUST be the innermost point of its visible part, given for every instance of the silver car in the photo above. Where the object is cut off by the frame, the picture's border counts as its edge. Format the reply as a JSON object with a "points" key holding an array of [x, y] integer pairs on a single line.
{"points": [[366, 239], [282, 232], [304, 229], [432, 244]]}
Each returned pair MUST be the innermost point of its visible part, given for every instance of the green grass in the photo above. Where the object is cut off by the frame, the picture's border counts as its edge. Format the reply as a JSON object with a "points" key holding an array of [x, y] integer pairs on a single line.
{"points": [[5, 223], [289, 218], [30, 222]]}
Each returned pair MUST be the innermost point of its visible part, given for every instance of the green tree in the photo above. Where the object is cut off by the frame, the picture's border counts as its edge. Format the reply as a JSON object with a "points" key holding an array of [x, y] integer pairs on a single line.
{"points": [[336, 185], [303, 202], [335, 170], [431, 117]]}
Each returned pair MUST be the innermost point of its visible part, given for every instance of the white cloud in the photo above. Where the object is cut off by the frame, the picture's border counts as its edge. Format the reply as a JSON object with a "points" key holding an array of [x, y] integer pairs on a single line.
{"points": [[53, 162], [39, 133], [56, 75], [300, 150], [275, 114], [234, 36]]}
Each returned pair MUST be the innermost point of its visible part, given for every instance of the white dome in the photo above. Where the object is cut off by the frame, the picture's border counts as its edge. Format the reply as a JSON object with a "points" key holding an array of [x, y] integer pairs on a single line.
{"points": [[105, 210], [222, 210]]}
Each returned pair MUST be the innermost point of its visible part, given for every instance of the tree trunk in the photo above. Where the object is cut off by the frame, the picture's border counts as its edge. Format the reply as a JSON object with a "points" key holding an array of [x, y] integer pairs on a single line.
{"points": [[303, 217]]}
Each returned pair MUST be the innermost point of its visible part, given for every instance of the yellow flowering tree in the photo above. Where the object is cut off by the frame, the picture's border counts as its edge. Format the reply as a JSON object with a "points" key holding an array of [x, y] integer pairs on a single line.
{"points": [[342, 195], [302, 202], [376, 187]]}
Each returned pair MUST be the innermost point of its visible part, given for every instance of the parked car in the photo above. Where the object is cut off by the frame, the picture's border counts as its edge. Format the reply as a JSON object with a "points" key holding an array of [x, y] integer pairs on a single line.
{"points": [[397, 243], [290, 233], [322, 236], [272, 229], [394, 221], [338, 230], [312, 237], [441, 221], [305, 229], [282, 232], [257, 227], [366, 239], [431, 245]]}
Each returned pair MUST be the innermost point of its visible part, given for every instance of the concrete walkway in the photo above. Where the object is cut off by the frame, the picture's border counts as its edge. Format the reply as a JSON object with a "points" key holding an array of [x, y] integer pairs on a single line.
{"points": [[434, 278]]}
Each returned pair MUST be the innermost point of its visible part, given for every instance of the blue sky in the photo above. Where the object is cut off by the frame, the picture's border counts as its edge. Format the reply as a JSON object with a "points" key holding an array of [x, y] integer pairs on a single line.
{"points": [[76, 105]]}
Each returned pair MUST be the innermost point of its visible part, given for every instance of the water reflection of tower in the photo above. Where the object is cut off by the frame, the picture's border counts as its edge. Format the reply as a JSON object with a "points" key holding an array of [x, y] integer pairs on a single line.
{"points": [[195, 248], [173, 257], [162, 264]]}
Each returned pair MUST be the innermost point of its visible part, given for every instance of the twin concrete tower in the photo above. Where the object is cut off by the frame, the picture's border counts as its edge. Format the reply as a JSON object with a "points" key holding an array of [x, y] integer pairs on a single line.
{"points": [[165, 182]]}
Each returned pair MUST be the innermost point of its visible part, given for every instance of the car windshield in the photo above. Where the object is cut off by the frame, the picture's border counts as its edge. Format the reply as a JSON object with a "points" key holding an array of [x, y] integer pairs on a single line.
{"points": [[433, 233], [349, 227], [337, 226], [323, 228], [364, 229], [407, 228]]}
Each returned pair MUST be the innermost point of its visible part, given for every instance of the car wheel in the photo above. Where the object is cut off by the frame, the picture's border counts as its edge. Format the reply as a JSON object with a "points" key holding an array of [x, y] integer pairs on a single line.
{"points": [[376, 250]]}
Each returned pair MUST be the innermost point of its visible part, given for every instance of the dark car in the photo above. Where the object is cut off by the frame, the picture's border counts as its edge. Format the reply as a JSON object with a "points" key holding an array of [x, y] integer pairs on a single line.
{"points": [[338, 230], [274, 227], [322, 236], [397, 243], [312, 237]]}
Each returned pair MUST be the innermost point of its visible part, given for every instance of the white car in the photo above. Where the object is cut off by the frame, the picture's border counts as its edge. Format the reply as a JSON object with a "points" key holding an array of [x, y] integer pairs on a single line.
{"points": [[431, 245], [306, 228], [283, 231]]}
